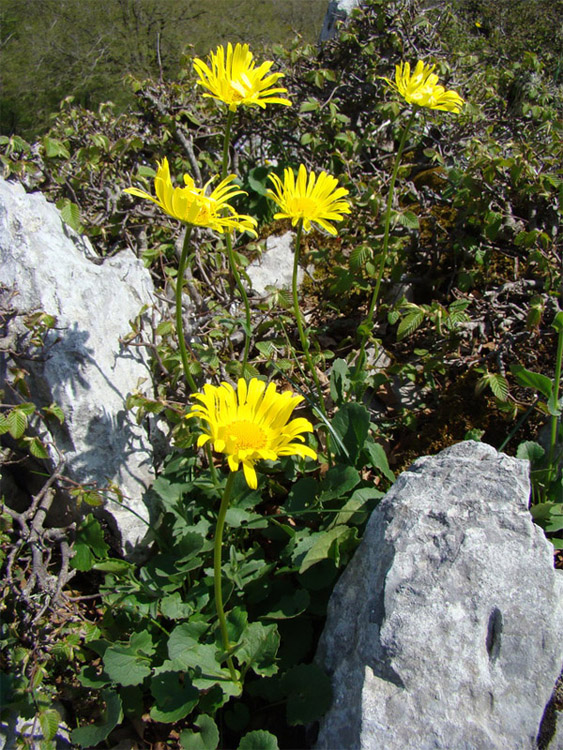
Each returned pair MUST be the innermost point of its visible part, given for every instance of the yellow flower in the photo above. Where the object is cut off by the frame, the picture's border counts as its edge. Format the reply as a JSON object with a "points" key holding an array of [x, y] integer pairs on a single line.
{"points": [[251, 424], [234, 79], [421, 88], [193, 206], [309, 198]]}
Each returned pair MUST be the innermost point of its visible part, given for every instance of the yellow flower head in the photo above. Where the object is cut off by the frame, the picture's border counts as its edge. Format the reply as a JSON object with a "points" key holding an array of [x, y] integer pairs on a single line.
{"points": [[251, 424], [309, 198], [193, 206], [234, 79], [421, 88]]}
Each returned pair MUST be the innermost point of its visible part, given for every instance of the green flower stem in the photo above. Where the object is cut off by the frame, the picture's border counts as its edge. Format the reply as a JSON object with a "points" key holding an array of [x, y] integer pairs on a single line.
{"points": [[230, 253], [554, 418], [297, 312], [179, 320], [217, 572], [368, 323], [243, 294], [226, 143], [182, 339]]}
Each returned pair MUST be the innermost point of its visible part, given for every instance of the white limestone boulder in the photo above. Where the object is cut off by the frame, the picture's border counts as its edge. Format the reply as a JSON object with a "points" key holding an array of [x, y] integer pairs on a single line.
{"points": [[45, 265], [446, 629]]}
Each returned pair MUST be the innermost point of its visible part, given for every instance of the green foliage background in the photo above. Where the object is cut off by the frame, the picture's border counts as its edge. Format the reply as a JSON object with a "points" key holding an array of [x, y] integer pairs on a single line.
{"points": [[51, 49]]}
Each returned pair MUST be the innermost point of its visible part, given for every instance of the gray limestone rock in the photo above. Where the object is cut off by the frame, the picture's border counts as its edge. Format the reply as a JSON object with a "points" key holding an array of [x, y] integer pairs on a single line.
{"points": [[85, 369], [446, 629], [275, 266], [338, 10]]}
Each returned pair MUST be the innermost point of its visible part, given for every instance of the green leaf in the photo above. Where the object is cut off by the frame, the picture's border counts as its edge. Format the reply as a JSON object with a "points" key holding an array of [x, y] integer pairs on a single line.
{"points": [[350, 511], [302, 496], [89, 544], [17, 423], [129, 664], [54, 148], [351, 422], [259, 647], [206, 739], [409, 324], [535, 380], [553, 406], [338, 480], [378, 460], [259, 739], [174, 607], [36, 448], [558, 322], [309, 693], [4, 426], [257, 179], [339, 380], [498, 385], [174, 693], [290, 605], [93, 735], [327, 545], [49, 721], [531, 451], [70, 214], [90, 677], [187, 653], [113, 566], [55, 411], [408, 219]]}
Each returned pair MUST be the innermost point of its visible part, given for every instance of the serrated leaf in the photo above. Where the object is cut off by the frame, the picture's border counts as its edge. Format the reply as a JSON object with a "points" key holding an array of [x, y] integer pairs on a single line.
{"points": [[49, 721], [259, 739], [93, 735], [409, 324], [4, 425], [408, 219], [17, 423], [359, 256], [206, 739], [309, 693], [36, 448], [70, 214], [498, 385]]}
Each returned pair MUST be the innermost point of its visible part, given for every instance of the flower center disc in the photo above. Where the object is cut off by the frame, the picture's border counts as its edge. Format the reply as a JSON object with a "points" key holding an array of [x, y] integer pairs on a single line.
{"points": [[304, 207], [246, 435]]}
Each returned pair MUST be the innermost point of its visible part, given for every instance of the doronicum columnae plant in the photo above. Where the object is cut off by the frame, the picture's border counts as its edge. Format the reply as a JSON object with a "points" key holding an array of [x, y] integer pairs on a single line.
{"points": [[247, 425]]}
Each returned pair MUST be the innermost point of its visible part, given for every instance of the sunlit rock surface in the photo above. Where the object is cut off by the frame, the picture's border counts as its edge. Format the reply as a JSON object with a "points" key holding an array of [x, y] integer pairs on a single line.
{"points": [[446, 629], [45, 265]]}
